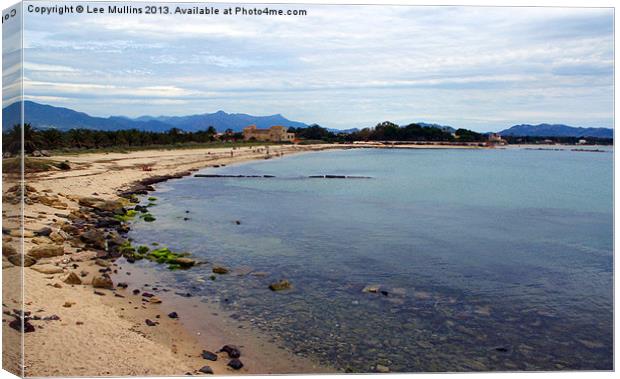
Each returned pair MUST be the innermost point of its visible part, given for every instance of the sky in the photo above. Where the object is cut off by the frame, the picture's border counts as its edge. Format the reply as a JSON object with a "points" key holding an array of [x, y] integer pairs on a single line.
{"points": [[481, 68]]}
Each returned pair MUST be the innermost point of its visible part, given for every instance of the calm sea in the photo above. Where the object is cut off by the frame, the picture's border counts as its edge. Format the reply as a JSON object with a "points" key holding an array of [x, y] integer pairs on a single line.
{"points": [[488, 259]]}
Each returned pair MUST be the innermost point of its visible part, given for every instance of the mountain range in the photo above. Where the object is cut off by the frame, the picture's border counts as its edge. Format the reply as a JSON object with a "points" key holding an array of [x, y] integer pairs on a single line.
{"points": [[555, 130], [46, 116]]}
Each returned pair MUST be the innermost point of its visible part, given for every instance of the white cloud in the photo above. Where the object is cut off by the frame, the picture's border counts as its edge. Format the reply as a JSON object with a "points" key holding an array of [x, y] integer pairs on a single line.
{"points": [[339, 66]]}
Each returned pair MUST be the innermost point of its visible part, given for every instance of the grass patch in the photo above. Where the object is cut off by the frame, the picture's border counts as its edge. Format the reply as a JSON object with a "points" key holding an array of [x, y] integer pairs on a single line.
{"points": [[32, 165]]}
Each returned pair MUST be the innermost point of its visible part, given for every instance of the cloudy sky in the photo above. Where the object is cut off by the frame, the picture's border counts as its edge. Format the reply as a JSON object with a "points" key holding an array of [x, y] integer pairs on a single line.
{"points": [[339, 66]]}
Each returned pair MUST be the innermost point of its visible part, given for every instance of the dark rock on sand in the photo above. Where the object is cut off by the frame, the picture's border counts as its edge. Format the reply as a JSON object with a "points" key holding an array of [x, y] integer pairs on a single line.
{"points": [[17, 325], [18, 259], [209, 355], [103, 281], [147, 294], [72, 278], [206, 370], [173, 315], [232, 351], [122, 285], [150, 323], [43, 232], [136, 291], [94, 238], [235, 364], [46, 251]]}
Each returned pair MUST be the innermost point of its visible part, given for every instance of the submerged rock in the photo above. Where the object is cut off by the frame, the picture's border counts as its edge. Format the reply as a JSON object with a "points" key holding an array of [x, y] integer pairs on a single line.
{"points": [[280, 286], [183, 261], [372, 288], [220, 270]]}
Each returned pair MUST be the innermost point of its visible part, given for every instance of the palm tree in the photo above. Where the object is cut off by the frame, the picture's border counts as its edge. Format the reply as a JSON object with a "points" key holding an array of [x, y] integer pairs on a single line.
{"points": [[29, 142]]}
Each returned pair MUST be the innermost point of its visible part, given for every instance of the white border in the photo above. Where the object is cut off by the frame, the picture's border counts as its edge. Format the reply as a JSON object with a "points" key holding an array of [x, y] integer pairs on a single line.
{"points": [[553, 3]]}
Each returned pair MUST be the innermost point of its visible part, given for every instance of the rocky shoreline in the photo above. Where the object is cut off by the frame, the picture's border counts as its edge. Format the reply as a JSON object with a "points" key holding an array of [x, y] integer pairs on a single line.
{"points": [[75, 240]]}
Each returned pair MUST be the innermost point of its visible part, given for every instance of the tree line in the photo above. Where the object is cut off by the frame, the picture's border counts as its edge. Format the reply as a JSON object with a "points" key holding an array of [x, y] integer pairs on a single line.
{"points": [[388, 131], [54, 139]]}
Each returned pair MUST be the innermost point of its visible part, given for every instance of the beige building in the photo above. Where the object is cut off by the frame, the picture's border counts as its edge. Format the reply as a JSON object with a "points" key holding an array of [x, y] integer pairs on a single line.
{"points": [[274, 134]]}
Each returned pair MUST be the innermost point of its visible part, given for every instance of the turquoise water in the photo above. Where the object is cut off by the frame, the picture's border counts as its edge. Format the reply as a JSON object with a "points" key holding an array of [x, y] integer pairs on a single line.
{"points": [[491, 259]]}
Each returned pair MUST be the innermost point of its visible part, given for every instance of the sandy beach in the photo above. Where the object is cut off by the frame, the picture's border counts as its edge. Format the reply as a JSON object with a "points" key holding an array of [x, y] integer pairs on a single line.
{"points": [[79, 330], [103, 331]]}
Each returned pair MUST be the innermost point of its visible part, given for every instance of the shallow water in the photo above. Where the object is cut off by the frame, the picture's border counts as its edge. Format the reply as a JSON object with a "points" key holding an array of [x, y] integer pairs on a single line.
{"points": [[491, 259]]}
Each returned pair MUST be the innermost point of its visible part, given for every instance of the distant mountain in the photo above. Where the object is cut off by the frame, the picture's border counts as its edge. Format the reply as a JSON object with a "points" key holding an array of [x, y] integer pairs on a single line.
{"points": [[556, 130], [345, 131], [46, 116], [444, 128], [222, 121]]}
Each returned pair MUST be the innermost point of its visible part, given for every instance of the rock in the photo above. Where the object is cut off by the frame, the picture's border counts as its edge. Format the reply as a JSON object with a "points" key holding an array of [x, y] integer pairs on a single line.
{"points": [[280, 286], [47, 269], [232, 351], [183, 261], [57, 237], [238, 222], [52, 201], [383, 369], [99, 293], [155, 300], [235, 364], [72, 278], [18, 259], [206, 370], [40, 240], [150, 323], [220, 270], [103, 281], [147, 294], [95, 238], [102, 205], [209, 355], [122, 285], [173, 315], [372, 288], [17, 325], [68, 304], [102, 262], [46, 251], [83, 273], [43, 232]]}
